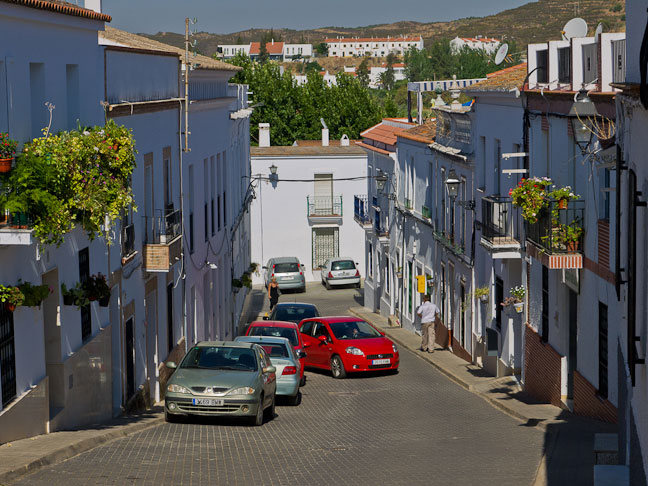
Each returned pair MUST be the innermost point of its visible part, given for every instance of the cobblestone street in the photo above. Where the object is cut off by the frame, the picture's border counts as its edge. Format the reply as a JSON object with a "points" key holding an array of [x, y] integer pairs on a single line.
{"points": [[415, 427]]}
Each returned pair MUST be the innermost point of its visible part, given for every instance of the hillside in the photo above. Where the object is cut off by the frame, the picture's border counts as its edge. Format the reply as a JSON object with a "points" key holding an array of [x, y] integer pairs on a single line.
{"points": [[533, 22]]}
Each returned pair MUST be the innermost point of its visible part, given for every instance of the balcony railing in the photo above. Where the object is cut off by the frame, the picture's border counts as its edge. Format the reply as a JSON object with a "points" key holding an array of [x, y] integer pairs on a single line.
{"points": [[425, 212], [324, 206], [500, 223], [163, 244], [361, 209], [558, 231], [15, 229]]}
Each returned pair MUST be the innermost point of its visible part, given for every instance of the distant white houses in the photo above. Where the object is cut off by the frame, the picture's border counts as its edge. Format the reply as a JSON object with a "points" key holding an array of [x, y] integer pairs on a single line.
{"points": [[376, 71], [373, 47], [329, 78], [487, 44], [279, 51]]}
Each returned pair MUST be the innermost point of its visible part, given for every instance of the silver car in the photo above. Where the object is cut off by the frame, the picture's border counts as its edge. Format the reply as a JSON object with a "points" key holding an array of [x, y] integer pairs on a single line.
{"points": [[288, 272], [223, 378], [340, 271]]}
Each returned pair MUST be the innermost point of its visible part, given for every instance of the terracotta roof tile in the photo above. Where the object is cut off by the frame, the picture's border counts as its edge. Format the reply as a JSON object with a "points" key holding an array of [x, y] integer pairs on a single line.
{"points": [[421, 133], [127, 39], [372, 148], [374, 39], [274, 49], [318, 143], [506, 79], [62, 7], [383, 133]]}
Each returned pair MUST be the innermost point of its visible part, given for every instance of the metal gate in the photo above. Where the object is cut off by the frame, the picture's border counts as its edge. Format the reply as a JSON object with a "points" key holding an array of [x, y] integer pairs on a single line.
{"points": [[326, 245], [7, 357]]}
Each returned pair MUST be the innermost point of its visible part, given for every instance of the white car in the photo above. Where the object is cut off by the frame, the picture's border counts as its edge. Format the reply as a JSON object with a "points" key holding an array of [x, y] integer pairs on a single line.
{"points": [[340, 271]]}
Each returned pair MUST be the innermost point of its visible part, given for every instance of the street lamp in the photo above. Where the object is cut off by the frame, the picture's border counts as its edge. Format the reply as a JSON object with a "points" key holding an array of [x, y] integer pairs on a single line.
{"points": [[381, 180], [452, 184], [273, 169], [583, 112]]}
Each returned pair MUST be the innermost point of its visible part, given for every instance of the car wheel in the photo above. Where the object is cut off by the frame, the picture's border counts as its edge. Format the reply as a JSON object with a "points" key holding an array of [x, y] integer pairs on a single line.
{"points": [[337, 367], [171, 418], [296, 400], [258, 418], [270, 411]]}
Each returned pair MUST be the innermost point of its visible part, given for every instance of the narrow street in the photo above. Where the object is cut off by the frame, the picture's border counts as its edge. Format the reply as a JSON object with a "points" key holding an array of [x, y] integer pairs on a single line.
{"points": [[416, 427]]}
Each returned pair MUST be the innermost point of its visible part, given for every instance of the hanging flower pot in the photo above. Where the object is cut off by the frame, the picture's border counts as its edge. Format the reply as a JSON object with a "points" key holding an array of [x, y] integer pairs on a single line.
{"points": [[519, 307], [9, 306], [572, 246], [104, 301], [68, 299], [483, 298], [562, 204], [5, 165]]}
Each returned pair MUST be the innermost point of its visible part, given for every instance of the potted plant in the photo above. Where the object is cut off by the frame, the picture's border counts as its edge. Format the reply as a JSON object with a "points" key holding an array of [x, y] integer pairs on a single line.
{"points": [[254, 268], [570, 235], [75, 296], [236, 284], [518, 294], [34, 294], [97, 289], [563, 195], [531, 195], [246, 280], [11, 297], [482, 293], [8, 148]]}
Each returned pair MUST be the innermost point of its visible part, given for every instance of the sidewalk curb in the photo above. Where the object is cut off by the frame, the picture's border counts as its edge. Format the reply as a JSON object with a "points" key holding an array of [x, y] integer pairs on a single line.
{"points": [[77, 448]]}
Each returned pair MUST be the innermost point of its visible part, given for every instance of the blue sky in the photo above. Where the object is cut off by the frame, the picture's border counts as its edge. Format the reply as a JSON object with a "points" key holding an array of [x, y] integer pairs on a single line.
{"points": [[223, 17]]}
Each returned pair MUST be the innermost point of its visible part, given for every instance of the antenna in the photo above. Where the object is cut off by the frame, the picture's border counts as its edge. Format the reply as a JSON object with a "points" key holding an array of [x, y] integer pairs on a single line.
{"points": [[501, 54], [576, 27], [323, 123], [598, 32]]}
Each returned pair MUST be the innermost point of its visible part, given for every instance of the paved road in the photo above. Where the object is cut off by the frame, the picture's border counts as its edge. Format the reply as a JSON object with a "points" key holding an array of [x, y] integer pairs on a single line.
{"points": [[415, 427]]}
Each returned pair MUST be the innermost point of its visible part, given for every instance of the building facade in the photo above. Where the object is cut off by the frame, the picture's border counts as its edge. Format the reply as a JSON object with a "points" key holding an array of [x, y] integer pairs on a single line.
{"points": [[486, 44], [374, 46]]}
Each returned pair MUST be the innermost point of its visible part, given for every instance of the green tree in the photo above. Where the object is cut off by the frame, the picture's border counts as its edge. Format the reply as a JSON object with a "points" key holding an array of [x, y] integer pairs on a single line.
{"points": [[322, 49], [263, 53], [313, 66], [363, 74], [391, 109]]}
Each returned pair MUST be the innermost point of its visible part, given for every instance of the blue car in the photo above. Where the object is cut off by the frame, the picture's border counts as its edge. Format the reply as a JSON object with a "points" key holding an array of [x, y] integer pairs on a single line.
{"points": [[285, 360]]}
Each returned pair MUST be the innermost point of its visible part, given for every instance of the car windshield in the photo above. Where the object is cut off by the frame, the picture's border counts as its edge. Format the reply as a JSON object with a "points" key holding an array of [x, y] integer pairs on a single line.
{"points": [[294, 314], [354, 330], [276, 350], [286, 332], [343, 265], [286, 267], [220, 358]]}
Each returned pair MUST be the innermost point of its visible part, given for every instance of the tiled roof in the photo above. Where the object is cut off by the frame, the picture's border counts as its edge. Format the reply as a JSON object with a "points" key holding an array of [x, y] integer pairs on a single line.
{"points": [[383, 133], [318, 143], [506, 80], [126, 39], [375, 39], [482, 39], [272, 48], [62, 7], [421, 133], [396, 65], [316, 151]]}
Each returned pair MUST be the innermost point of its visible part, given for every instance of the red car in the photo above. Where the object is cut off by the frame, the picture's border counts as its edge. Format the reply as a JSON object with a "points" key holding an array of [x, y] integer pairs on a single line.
{"points": [[347, 344], [287, 330]]}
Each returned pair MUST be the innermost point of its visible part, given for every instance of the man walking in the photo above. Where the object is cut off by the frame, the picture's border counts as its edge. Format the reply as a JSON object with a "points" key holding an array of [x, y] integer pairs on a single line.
{"points": [[428, 312]]}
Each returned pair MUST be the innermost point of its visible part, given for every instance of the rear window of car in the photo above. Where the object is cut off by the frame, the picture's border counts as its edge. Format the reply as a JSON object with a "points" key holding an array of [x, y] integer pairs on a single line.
{"points": [[220, 358], [286, 332], [294, 314], [286, 267], [354, 330], [343, 265], [275, 350]]}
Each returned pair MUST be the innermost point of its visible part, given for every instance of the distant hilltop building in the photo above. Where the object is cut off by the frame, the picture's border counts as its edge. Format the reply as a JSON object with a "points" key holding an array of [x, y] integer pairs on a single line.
{"points": [[374, 46], [278, 51], [487, 44]]}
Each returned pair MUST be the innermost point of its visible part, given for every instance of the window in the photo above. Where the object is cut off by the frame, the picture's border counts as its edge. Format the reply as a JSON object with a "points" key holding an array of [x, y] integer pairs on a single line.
{"points": [[7, 357], [462, 228], [370, 263], [604, 211], [542, 63], [323, 194], [84, 275], [482, 161], [590, 63], [39, 116], [564, 65], [545, 304], [603, 350], [168, 178], [499, 298], [72, 94], [325, 245]]}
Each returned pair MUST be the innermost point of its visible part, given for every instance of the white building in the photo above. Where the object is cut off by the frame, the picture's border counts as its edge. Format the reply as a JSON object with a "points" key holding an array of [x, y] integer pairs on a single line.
{"points": [[306, 209], [376, 71], [329, 79], [486, 44], [373, 46], [277, 50]]}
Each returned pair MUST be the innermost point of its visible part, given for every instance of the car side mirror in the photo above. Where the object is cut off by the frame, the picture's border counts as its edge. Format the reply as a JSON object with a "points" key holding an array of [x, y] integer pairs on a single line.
{"points": [[270, 369], [171, 365], [301, 353], [323, 339]]}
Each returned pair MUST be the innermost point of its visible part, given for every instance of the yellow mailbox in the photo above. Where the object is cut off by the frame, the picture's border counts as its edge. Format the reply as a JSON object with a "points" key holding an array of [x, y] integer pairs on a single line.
{"points": [[420, 284]]}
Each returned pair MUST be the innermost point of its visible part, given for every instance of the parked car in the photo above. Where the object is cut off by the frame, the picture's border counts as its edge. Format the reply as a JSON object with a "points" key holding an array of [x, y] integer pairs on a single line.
{"points": [[288, 330], [347, 345], [222, 379], [288, 272], [293, 312], [285, 360], [340, 271]]}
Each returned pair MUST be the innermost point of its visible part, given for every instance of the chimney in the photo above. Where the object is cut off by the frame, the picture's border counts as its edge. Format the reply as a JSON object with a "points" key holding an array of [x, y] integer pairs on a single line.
{"points": [[264, 134], [325, 137], [93, 5], [344, 141]]}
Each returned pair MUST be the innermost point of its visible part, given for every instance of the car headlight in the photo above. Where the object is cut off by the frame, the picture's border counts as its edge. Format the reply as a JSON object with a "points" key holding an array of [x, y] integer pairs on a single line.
{"points": [[394, 348], [244, 390], [177, 389], [355, 351]]}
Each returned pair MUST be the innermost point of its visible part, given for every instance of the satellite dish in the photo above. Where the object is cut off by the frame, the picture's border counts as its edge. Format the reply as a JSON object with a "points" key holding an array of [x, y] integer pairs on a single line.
{"points": [[599, 31], [501, 54], [574, 28]]}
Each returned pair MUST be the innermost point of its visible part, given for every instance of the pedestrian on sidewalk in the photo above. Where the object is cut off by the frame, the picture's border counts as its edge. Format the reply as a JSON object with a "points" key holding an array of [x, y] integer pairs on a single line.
{"points": [[273, 292], [428, 312]]}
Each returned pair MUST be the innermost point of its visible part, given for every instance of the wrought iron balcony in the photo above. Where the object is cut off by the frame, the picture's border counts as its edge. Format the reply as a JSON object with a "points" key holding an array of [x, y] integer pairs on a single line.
{"points": [[324, 207], [361, 210], [501, 226], [15, 229], [163, 240], [425, 212], [408, 204]]}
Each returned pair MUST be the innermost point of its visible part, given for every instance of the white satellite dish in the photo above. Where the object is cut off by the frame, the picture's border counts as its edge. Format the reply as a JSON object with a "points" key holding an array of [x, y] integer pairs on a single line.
{"points": [[501, 54], [599, 31], [574, 28]]}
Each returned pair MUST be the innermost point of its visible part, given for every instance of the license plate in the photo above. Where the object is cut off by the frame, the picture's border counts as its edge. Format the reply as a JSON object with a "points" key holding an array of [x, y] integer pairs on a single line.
{"points": [[380, 361], [286, 278], [212, 402]]}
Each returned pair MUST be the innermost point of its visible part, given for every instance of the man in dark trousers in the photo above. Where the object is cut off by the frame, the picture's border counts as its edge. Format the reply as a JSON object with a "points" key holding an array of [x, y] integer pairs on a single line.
{"points": [[428, 312]]}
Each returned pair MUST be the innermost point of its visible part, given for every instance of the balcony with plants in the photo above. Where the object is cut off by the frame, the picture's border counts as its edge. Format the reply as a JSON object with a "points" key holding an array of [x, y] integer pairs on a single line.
{"points": [[76, 178], [361, 210], [501, 227], [324, 209], [162, 240]]}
